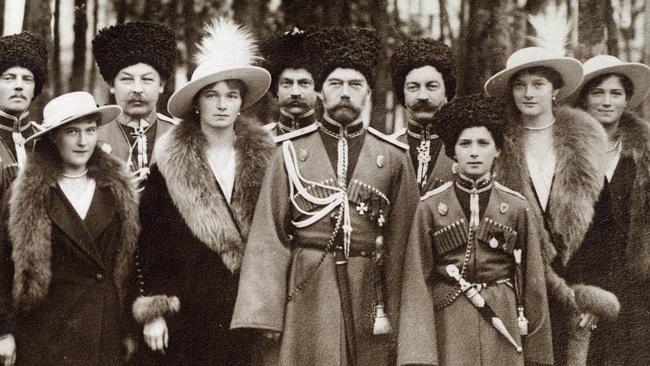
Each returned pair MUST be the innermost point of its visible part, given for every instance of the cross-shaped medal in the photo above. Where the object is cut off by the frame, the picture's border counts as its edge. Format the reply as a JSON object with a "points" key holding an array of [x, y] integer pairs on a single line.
{"points": [[424, 157]]}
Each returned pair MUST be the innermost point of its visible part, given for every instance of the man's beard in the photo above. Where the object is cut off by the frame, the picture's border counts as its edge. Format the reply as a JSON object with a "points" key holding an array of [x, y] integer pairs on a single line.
{"points": [[423, 106], [344, 113]]}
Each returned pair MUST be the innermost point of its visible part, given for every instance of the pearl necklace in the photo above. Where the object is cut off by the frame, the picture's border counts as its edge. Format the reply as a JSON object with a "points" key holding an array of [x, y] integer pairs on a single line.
{"points": [[540, 128], [618, 142], [72, 176]]}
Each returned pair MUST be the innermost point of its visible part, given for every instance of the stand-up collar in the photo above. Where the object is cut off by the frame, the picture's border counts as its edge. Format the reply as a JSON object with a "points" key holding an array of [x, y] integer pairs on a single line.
{"points": [[135, 123], [12, 123], [288, 122], [418, 131], [468, 184], [336, 130]]}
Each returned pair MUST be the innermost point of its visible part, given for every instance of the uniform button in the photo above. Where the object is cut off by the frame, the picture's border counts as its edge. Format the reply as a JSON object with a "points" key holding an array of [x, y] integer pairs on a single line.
{"points": [[99, 277]]}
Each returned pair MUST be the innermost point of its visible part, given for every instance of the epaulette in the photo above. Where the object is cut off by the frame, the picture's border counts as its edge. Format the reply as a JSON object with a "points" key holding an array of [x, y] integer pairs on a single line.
{"points": [[503, 188], [269, 126], [388, 138], [162, 117], [293, 134], [398, 133], [436, 191]]}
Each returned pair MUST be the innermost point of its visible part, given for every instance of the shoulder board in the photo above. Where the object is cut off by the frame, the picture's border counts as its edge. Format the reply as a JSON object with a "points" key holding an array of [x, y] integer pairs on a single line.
{"points": [[388, 139], [503, 188], [436, 191], [398, 133], [293, 134], [162, 117], [269, 126]]}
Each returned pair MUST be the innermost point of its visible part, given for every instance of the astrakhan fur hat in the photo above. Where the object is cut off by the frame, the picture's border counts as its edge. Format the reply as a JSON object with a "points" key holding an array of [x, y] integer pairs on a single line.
{"points": [[354, 48], [26, 50], [289, 51], [124, 45], [415, 53], [469, 111]]}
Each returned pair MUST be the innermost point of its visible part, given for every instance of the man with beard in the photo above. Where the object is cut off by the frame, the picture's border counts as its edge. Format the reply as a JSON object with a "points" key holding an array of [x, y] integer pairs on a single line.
{"points": [[23, 70], [135, 59], [292, 64], [323, 262], [423, 81]]}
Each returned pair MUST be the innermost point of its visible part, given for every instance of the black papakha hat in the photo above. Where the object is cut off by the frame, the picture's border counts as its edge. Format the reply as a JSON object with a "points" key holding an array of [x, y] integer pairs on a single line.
{"points": [[416, 53], [124, 45], [353, 48], [28, 50], [289, 50], [475, 110]]}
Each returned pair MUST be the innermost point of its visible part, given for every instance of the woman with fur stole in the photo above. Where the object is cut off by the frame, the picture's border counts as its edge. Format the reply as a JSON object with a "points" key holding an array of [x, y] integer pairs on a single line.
{"points": [[615, 253], [553, 155], [198, 206], [69, 232]]}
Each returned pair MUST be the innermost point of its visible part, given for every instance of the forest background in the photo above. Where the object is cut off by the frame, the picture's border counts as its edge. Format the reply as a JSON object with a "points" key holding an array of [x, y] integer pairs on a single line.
{"points": [[481, 33]]}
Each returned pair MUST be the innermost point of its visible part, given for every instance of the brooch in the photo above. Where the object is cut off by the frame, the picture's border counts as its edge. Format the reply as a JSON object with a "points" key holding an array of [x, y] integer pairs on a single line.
{"points": [[443, 209]]}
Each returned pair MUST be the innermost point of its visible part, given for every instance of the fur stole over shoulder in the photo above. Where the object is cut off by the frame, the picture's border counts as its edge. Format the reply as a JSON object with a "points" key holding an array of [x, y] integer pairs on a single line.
{"points": [[579, 142], [30, 227], [181, 158], [635, 138]]}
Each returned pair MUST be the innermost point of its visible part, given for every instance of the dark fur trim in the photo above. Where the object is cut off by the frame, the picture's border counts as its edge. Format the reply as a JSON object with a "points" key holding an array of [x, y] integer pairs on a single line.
{"points": [[579, 176], [635, 135], [192, 187], [597, 301], [30, 228], [147, 308]]}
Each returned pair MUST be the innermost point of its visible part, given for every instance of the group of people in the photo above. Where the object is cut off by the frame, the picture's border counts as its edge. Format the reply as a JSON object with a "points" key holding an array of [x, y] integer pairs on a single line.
{"points": [[510, 228]]}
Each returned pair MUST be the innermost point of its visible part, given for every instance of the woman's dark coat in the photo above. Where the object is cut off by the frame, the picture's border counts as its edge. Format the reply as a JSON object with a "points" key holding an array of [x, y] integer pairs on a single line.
{"points": [[63, 280], [192, 244]]}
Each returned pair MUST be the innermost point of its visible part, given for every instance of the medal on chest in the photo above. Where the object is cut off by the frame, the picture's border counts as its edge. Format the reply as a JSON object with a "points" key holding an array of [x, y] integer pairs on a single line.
{"points": [[140, 145], [424, 157]]}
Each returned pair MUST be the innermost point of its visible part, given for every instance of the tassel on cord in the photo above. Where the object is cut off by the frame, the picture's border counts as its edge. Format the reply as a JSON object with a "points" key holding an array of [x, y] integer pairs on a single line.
{"points": [[382, 323]]}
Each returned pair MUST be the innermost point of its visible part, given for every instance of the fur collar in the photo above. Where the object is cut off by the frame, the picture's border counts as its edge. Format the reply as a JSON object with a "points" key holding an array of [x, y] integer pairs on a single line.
{"points": [[30, 227], [635, 135], [579, 142], [193, 189]]}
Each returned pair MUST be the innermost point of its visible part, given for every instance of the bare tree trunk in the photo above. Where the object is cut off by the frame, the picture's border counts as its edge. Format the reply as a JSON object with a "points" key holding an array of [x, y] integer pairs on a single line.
{"points": [[122, 9], [612, 30], [645, 106], [79, 46], [2, 16], [56, 50], [379, 19], [591, 28], [92, 76], [37, 19]]}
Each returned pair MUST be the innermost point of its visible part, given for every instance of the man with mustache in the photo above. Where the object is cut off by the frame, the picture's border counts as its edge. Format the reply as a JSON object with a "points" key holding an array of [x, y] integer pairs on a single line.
{"points": [[322, 267], [292, 64], [135, 59], [23, 71], [423, 81]]}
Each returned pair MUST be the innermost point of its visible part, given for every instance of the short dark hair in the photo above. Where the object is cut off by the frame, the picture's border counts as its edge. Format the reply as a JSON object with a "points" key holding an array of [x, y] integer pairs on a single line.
{"points": [[470, 111], [628, 86], [548, 73]]}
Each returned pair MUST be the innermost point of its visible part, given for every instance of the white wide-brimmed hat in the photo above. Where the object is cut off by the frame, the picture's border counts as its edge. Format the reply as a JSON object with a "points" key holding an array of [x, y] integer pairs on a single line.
{"points": [[227, 52], [69, 108], [569, 68], [638, 74]]}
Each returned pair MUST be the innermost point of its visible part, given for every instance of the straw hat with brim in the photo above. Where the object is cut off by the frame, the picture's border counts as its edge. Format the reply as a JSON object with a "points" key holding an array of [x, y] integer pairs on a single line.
{"points": [[569, 69], [638, 74], [257, 82], [71, 107]]}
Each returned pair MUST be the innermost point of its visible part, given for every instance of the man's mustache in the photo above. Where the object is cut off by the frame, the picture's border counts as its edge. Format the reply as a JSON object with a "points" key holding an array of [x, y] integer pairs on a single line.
{"points": [[423, 106]]}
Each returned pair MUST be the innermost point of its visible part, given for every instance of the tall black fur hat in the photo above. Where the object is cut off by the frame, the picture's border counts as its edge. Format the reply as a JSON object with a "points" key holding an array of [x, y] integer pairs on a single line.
{"points": [[124, 45], [415, 53], [26, 50], [354, 48], [289, 50], [475, 110]]}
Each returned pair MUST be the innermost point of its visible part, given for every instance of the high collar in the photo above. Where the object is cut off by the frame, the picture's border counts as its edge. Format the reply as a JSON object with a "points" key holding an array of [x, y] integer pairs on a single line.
{"points": [[336, 130], [469, 185], [418, 131], [150, 119], [288, 122], [12, 123]]}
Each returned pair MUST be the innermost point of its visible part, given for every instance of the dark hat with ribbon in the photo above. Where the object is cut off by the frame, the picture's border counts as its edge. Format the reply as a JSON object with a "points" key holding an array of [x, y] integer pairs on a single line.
{"points": [[289, 50], [26, 50], [124, 45], [416, 53], [353, 48], [475, 110]]}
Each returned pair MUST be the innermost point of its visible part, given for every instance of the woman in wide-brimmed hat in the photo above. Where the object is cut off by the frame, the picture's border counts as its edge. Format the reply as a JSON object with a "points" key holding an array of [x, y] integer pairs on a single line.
{"points": [[553, 155], [615, 254], [197, 209], [69, 231]]}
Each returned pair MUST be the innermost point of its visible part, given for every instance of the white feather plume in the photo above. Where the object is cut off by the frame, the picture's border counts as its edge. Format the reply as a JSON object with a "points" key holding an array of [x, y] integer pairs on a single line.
{"points": [[552, 29], [226, 44]]}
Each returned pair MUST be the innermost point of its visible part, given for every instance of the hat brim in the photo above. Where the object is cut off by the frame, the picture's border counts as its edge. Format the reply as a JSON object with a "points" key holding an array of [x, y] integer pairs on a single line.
{"points": [[257, 81], [569, 69], [108, 113], [638, 74]]}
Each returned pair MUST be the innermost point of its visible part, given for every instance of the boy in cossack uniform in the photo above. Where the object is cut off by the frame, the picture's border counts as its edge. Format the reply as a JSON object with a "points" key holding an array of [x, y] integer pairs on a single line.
{"points": [[473, 286]]}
